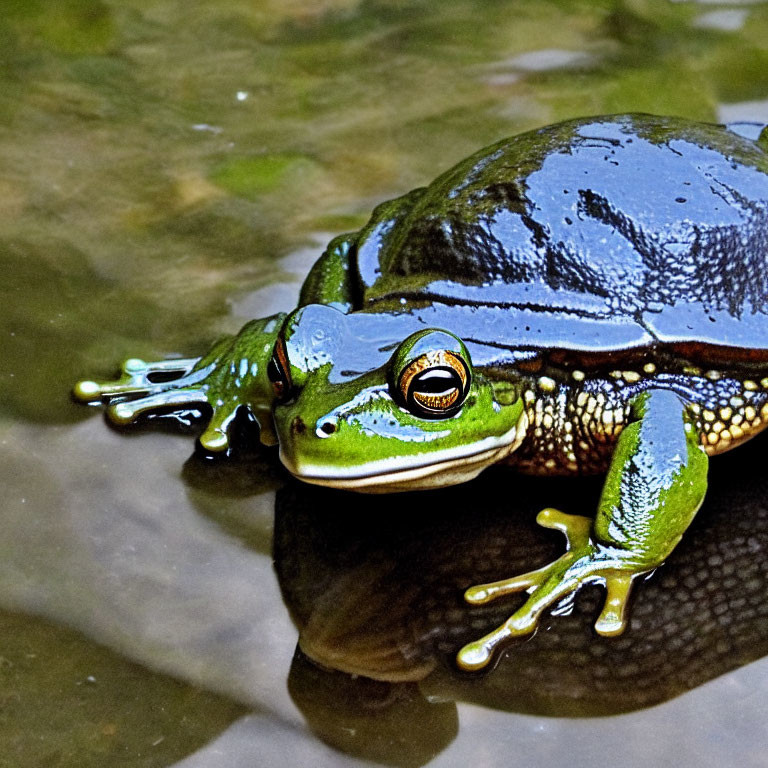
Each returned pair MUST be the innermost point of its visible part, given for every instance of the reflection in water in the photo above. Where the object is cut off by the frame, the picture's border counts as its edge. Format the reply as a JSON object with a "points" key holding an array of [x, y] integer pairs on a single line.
{"points": [[222, 489], [376, 590], [393, 724]]}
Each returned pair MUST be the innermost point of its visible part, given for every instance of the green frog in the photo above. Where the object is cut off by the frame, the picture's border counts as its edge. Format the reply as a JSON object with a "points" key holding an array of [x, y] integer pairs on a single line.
{"points": [[589, 297]]}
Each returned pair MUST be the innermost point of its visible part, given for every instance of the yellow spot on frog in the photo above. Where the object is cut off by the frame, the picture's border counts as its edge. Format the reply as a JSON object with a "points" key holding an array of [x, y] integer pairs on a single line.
{"points": [[546, 384]]}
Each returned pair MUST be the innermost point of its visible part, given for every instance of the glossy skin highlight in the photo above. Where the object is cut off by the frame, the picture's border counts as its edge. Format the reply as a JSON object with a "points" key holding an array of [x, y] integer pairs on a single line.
{"points": [[590, 297]]}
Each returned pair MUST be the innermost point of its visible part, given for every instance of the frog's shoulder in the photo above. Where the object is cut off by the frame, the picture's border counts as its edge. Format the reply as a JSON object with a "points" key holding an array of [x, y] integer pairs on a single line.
{"points": [[594, 234]]}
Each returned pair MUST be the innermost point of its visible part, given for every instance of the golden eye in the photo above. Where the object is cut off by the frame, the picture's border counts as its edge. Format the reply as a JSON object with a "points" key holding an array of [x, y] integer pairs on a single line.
{"points": [[279, 371], [434, 384]]}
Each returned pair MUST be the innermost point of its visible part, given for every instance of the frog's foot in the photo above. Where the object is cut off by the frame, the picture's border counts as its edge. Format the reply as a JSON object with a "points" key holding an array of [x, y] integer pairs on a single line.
{"points": [[137, 378], [583, 563], [232, 378], [164, 385]]}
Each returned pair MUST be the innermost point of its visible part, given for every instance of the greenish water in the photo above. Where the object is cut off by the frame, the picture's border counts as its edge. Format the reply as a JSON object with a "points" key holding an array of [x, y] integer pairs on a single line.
{"points": [[168, 170]]}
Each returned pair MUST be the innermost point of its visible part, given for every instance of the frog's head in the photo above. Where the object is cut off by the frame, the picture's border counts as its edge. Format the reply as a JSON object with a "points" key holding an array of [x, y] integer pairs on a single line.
{"points": [[357, 410]]}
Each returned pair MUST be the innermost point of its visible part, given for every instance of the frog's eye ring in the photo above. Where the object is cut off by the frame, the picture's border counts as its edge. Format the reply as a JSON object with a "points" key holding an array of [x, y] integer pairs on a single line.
{"points": [[435, 384], [279, 372]]}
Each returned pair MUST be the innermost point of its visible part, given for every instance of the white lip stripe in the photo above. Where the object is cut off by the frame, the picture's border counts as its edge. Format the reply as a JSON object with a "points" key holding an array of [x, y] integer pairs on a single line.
{"points": [[396, 471]]}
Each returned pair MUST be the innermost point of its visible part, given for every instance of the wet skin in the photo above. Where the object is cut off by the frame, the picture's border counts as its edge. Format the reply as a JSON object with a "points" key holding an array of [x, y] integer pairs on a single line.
{"points": [[586, 298]]}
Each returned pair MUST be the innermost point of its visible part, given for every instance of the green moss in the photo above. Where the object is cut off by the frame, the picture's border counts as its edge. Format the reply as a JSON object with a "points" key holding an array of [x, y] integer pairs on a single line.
{"points": [[66, 26], [738, 74], [255, 175]]}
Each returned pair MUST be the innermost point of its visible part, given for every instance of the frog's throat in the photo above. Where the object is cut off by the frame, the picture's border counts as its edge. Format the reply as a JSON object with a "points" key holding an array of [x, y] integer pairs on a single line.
{"points": [[449, 466]]}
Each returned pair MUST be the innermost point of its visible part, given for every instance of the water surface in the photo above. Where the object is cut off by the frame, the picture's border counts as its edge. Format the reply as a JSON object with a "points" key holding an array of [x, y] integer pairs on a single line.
{"points": [[169, 170]]}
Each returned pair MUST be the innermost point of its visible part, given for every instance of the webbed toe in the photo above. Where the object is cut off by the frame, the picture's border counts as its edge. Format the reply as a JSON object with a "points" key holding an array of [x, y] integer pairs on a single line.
{"points": [[583, 562]]}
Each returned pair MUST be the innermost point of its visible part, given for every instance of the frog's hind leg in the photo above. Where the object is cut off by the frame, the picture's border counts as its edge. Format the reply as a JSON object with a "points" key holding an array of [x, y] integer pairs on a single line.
{"points": [[549, 585], [655, 485], [335, 277], [330, 279]]}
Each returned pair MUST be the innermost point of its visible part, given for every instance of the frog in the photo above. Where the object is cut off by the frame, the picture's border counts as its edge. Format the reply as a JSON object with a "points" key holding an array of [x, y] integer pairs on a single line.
{"points": [[586, 298]]}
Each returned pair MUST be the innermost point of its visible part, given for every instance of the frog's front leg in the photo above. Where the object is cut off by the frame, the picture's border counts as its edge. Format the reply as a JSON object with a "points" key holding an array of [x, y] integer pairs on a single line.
{"points": [[653, 489], [232, 377]]}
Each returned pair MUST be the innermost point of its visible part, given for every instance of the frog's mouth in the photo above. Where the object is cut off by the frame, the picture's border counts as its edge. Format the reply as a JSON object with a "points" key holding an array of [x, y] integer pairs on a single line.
{"points": [[449, 466]]}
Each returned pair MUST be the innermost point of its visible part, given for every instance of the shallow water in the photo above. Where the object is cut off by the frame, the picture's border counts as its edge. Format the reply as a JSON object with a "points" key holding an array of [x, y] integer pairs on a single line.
{"points": [[169, 170]]}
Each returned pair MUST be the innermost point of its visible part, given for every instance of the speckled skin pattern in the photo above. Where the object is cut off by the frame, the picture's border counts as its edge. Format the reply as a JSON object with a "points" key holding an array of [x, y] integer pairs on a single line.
{"points": [[574, 423]]}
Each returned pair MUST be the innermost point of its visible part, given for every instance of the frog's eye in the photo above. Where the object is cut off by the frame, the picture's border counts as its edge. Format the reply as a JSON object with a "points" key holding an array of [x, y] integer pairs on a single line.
{"points": [[434, 384], [279, 372]]}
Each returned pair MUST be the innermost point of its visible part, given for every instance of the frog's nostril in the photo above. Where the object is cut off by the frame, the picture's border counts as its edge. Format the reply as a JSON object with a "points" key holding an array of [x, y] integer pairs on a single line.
{"points": [[326, 428], [298, 427]]}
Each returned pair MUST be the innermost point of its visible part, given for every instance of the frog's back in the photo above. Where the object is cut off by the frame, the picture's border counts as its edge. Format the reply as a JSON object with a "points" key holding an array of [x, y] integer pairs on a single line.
{"points": [[595, 235]]}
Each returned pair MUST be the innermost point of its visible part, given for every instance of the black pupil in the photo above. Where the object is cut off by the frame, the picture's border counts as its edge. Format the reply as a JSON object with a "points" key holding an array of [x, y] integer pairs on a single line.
{"points": [[436, 381]]}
